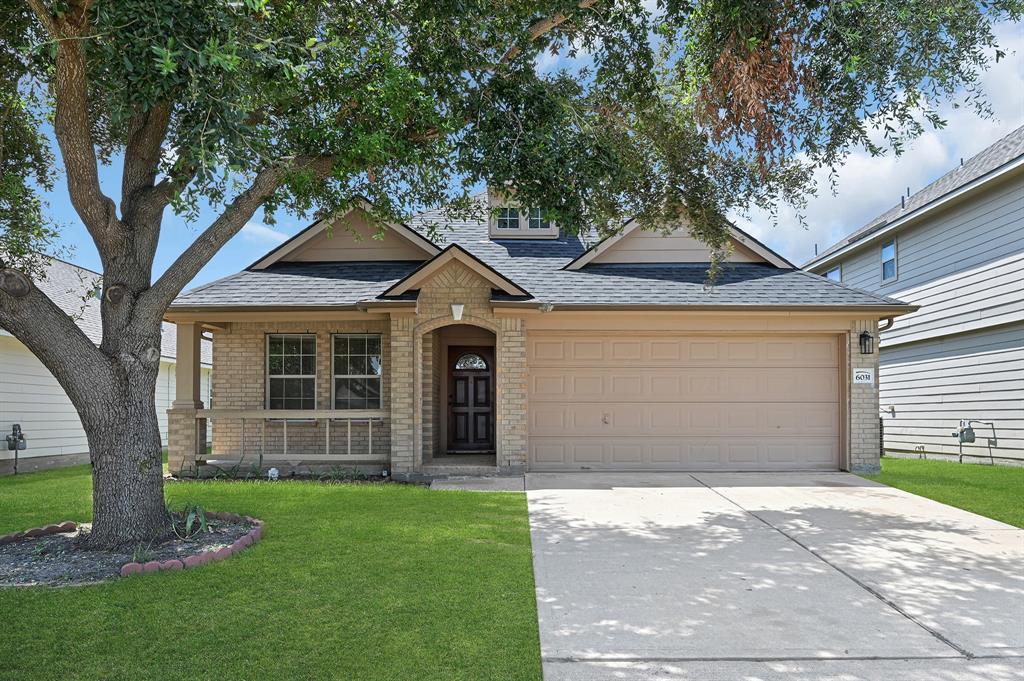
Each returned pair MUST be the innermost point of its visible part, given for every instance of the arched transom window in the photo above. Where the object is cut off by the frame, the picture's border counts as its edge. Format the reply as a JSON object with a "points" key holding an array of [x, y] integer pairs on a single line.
{"points": [[471, 361]]}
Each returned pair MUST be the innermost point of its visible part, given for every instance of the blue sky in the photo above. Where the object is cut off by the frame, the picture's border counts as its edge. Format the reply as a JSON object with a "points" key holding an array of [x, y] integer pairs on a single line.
{"points": [[867, 186]]}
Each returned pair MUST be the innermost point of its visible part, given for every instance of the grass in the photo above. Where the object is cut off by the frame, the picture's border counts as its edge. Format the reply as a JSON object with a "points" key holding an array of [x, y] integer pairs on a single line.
{"points": [[350, 582], [993, 491]]}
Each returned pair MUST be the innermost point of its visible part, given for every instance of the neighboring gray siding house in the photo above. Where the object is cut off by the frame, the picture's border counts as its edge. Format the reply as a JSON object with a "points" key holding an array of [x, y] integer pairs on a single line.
{"points": [[30, 395], [956, 248]]}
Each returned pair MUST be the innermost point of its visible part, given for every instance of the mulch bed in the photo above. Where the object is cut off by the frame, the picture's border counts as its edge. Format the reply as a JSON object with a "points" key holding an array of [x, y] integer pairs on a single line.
{"points": [[63, 559]]}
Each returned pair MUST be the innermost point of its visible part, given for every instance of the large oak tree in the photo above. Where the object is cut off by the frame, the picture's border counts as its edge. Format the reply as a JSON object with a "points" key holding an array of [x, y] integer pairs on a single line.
{"points": [[683, 106]]}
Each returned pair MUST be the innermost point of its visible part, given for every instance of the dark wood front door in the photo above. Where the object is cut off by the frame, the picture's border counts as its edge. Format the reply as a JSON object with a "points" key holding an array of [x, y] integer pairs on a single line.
{"points": [[470, 399]]}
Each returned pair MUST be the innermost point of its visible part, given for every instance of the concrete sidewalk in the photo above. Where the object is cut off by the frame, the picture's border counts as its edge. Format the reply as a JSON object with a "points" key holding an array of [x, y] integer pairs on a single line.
{"points": [[649, 575]]}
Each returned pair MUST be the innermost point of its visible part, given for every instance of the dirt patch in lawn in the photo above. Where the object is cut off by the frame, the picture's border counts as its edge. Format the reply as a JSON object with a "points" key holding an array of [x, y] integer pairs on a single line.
{"points": [[64, 559]]}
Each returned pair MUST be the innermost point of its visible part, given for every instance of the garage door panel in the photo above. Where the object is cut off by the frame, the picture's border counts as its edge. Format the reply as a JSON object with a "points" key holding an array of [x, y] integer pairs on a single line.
{"points": [[702, 384], [682, 453], [657, 402], [712, 351], [634, 419]]}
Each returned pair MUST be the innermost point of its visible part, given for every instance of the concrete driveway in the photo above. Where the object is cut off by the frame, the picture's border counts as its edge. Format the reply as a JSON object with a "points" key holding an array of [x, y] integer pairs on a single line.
{"points": [[770, 576]]}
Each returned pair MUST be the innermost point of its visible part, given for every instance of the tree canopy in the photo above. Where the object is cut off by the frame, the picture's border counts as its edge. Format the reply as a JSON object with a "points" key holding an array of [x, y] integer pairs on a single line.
{"points": [[661, 109], [709, 104]]}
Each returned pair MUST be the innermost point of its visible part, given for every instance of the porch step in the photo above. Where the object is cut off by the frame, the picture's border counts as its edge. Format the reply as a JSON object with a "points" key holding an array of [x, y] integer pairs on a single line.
{"points": [[448, 470]]}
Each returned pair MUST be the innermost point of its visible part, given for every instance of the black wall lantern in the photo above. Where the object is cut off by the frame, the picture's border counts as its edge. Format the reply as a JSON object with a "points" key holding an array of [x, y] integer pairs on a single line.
{"points": [[867, 343]]}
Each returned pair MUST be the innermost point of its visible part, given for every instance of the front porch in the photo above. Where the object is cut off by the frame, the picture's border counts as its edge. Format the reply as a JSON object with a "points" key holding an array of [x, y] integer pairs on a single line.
{"points": [[430, 387]]}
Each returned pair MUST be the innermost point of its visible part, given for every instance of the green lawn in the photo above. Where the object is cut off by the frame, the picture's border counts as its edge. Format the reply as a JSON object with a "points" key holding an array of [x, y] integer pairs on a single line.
{"points": [[350, 582], [993, 491]]}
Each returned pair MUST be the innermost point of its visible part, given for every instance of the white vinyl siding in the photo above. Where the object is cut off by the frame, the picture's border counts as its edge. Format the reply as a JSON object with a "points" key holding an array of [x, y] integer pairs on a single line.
{"points": [[932, 385], [31, 396], [965, 267]]}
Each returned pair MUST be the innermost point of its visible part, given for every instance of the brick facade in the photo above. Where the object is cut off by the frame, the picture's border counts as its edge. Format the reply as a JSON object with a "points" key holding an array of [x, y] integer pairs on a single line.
{"points": [[863, 401]]}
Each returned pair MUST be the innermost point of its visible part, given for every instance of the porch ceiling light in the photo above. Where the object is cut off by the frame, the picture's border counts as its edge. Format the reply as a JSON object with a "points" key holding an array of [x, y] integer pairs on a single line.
{"points": [[457, 309]]}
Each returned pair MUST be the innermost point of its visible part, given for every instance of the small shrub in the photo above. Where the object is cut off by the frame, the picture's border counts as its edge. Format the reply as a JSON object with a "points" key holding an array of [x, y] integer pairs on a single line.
{"points": [[191, 521]]}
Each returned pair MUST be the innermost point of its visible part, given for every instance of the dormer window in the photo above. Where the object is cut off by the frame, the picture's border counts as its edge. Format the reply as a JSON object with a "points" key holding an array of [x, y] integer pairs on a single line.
{"points": [[537, 221], [509, 220]]}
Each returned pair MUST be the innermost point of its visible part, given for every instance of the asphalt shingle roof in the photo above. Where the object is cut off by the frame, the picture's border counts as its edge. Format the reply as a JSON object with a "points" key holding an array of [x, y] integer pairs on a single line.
{"points": [[999, 154], [71, 288], [299, 284], [536, 266]]}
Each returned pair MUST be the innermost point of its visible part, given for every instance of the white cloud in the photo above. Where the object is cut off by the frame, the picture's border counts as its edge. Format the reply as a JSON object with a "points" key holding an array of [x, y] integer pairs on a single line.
{"points": [[258, 232], [868, 186]]}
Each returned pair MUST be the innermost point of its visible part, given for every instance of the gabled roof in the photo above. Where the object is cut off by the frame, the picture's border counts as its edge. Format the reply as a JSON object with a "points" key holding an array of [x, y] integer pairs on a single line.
{"points": [[455, 252], [530, 272], [72, 288], [995, 162], [738, 235], [412, 236]]}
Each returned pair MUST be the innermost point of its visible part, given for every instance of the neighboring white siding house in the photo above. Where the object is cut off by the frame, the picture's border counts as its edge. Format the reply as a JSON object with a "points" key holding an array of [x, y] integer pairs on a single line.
{"points": [[30, 395], [958, 252]]}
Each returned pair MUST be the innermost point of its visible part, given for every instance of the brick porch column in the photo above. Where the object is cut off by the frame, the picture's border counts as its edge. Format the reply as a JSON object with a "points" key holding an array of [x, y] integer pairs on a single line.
{"points": [[186, 439], [403, 402], [864, 431]]}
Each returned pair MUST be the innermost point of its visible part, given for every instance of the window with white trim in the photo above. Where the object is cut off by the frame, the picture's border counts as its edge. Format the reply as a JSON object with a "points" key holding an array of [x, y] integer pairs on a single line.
{"points": [[508, 218], [889, 270], [358, 371], [291, 371], [835, 274], [537, 220]]}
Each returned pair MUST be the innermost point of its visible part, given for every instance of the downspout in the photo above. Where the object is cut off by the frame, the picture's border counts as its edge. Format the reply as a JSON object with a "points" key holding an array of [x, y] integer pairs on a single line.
{"points": [[888, 325]]}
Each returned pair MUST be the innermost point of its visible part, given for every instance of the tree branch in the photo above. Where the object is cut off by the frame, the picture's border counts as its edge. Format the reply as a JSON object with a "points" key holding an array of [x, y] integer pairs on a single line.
{"points": [[235, 215], [72, 128], [45, 17], [141, 206], [47, 330], [542, 27]]}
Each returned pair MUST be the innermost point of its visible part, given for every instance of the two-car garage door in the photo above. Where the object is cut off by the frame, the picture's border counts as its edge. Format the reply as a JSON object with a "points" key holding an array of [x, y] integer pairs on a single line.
{"points": [[669, 402]]}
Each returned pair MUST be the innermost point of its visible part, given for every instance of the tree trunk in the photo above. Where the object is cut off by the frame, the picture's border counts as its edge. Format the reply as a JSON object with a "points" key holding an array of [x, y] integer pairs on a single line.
{"points": [[127, 471]]}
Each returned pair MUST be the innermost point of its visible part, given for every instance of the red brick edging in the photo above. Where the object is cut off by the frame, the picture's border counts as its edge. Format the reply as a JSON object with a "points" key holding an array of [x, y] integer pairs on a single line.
{"points": [[58, 528], [195, 560]]}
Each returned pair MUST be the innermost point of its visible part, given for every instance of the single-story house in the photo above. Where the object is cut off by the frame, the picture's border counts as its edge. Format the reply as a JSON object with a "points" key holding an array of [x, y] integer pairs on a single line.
{"points": [[507, 345], [31, 397], [955, 248]]}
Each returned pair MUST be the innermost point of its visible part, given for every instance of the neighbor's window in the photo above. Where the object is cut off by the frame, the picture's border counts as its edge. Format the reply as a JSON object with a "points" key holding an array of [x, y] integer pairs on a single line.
{"points": [[508, 218], [357, 371], [835, 274], [537, 220], [889, 260], [291, 371]]}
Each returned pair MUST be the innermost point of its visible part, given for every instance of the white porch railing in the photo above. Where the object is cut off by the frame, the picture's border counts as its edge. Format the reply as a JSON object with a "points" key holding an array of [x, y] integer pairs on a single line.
{"points": [[334, 420]]}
